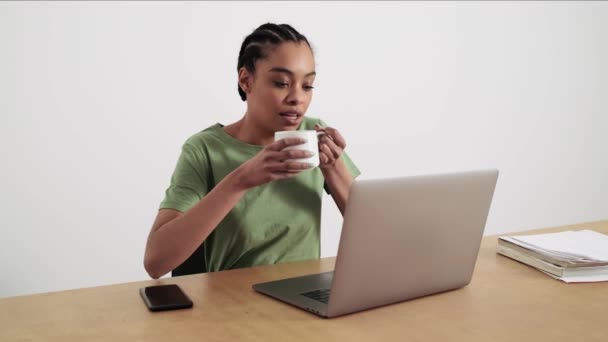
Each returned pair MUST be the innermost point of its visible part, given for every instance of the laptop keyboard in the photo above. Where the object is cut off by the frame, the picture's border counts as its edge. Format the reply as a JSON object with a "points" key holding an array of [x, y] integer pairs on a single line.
{"points": [[319, 295]]}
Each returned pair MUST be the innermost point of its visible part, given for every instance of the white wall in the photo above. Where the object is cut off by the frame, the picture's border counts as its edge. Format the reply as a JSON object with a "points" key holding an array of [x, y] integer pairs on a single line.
{"points": [[97, 98]]}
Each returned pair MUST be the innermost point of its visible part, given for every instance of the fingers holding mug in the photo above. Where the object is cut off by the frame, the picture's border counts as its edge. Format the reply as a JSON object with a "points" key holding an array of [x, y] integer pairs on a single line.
{"points": [[332, 134], [329, 154], [332, 148]]}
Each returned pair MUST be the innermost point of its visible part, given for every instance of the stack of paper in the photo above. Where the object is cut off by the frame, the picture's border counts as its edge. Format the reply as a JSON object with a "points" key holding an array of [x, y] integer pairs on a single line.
{"points": [[571, 256]]}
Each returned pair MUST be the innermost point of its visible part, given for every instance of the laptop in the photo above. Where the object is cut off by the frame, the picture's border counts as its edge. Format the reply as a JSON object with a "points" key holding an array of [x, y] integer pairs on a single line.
{"points": [[402, 238]]}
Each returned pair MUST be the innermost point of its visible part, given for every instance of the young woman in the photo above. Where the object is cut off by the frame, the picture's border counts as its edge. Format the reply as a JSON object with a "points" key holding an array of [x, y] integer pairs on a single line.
{"points": [[237, 198]]}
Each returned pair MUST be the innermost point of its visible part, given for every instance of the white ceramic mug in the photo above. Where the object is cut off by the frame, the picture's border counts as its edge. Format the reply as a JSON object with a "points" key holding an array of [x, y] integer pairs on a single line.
{"points": [[311, 145]]}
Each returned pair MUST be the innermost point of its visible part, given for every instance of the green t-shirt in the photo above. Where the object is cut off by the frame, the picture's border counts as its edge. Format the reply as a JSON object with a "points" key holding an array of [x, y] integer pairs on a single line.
{"points": [[272, 223]]}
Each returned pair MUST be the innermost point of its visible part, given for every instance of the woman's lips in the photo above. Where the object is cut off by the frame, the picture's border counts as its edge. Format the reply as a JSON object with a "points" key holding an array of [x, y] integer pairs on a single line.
{"points": [[291, 117]]}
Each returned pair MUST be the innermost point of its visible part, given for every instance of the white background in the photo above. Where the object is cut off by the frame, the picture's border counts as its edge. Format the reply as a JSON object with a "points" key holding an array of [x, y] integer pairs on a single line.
{"points": [[97, 98]]}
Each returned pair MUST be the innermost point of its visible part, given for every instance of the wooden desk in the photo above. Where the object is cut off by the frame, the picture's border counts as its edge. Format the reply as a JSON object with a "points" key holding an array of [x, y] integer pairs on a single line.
{"points": [[506, 301]]}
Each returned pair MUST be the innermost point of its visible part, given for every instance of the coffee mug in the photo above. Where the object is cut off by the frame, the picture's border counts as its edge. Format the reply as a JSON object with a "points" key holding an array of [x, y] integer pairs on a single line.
{"points": [[311, 145]]}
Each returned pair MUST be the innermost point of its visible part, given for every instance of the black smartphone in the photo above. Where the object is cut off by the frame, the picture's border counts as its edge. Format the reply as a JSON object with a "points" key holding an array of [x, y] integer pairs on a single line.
{"points": [[164, 297]]}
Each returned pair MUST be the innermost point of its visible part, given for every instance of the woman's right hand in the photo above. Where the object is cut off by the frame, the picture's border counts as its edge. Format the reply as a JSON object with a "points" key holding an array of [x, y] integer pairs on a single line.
{"points": [[272, 163]]}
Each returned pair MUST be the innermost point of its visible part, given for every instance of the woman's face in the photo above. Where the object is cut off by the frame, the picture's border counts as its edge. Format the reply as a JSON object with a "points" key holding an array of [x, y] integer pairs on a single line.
{"points": [[280, 90]]}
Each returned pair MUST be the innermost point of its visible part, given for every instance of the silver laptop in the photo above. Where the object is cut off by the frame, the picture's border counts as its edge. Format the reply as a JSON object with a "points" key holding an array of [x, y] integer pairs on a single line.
{"points": [[402, 238]]}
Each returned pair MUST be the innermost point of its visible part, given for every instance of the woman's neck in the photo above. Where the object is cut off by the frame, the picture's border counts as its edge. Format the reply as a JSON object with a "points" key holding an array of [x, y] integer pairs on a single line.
{"points": [[247, 131]]}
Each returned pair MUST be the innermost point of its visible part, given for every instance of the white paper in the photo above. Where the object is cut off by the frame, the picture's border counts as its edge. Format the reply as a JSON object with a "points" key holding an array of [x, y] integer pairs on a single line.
{"points": [[579, 279], [582, 245]]}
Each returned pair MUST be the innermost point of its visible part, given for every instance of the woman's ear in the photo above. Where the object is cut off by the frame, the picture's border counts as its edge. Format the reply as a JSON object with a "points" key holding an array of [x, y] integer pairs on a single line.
{"points": [[245, 80]]}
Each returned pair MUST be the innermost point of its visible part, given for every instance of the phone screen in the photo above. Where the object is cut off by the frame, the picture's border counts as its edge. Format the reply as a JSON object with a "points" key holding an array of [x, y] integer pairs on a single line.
{"points": [[165, 297]]}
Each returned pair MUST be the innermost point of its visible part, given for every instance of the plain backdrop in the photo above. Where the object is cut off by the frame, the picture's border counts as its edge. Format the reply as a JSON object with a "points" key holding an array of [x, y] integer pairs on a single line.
{"points": [[96, 99]]}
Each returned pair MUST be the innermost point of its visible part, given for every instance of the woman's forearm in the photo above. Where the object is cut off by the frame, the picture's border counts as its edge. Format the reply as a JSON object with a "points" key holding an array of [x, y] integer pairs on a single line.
{"points": [[338, 180], [176, 240]]}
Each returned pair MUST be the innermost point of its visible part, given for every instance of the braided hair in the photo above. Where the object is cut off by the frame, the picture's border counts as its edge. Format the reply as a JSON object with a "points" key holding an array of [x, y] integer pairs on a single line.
{"points": [[256, 45]]}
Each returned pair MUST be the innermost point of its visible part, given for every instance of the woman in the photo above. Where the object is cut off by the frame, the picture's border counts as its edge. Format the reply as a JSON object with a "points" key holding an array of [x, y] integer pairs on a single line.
{"points": [[237, 198]]}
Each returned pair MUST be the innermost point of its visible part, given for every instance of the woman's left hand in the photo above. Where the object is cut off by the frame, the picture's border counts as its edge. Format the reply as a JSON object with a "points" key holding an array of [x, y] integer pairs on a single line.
{"points": [[331, 146]]}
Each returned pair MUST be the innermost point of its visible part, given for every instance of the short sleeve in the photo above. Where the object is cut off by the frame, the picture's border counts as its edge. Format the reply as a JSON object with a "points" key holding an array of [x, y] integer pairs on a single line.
{"points": [[189, 180]]}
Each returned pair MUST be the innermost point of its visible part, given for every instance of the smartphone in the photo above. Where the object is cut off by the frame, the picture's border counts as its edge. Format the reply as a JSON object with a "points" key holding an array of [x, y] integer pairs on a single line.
{"points": [[164, 297]]}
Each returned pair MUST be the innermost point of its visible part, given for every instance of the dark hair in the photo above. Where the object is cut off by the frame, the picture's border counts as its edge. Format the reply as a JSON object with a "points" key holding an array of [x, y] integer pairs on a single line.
{"points": [[256, 45]]}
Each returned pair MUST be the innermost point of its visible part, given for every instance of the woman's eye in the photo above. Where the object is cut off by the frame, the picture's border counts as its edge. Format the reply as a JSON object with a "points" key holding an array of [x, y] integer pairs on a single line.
{"points": [[281, 84], [309, 88]]}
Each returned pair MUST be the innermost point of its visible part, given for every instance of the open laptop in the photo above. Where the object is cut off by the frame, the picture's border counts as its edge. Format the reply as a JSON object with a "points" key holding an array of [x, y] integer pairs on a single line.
{"points": [[402, 238]]}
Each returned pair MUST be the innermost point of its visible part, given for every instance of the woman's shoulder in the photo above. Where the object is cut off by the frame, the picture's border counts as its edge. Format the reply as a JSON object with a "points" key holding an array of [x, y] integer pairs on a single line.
{"points": [[204, 136], [199, 143]]}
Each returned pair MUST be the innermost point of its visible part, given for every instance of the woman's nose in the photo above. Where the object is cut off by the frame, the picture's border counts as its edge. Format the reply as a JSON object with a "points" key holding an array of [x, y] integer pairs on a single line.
{"points": [[295, 96]]}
